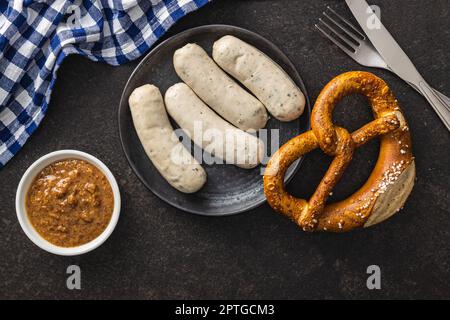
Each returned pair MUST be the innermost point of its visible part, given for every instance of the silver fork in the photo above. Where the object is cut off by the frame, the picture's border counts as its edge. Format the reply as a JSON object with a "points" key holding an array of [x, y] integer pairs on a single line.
{"points": [[359, 48]]}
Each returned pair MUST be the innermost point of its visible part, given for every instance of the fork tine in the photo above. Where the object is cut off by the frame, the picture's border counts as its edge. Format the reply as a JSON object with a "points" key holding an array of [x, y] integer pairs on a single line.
{"points": [[363, 37], [340, 36], [336, 42], [343, 28]]}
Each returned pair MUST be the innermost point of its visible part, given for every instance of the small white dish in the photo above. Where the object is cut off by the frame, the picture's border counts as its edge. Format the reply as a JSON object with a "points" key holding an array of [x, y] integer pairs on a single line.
{"points": [[29, 176]]}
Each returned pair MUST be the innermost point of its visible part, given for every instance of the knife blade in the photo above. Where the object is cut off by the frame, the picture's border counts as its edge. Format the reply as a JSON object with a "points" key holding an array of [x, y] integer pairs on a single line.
{"points": [[383, 41], [395, 57]]}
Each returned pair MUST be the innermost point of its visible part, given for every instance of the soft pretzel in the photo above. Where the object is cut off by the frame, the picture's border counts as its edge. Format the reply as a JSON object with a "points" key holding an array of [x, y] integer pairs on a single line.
{"points": [[389, 184]]}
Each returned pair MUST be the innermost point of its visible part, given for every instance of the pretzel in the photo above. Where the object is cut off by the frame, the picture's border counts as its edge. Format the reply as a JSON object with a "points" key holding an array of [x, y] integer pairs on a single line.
{"points": [[389, 184]]}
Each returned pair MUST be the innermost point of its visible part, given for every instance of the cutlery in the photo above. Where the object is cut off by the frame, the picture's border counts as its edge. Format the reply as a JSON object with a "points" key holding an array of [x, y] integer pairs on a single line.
{"points": [[359, 48], [396, 58]]}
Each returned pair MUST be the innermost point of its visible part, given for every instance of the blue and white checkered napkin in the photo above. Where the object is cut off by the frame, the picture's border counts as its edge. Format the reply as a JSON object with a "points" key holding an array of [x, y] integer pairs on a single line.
{"points": [[35, 37]]}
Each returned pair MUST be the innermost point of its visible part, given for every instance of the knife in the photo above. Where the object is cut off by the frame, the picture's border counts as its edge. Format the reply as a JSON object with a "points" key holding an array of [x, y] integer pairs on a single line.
{"points": [[396, 58]]}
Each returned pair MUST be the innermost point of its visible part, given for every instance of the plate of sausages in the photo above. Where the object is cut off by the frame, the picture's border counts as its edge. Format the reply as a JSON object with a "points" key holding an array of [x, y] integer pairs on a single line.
{"points": [[203, 113]]}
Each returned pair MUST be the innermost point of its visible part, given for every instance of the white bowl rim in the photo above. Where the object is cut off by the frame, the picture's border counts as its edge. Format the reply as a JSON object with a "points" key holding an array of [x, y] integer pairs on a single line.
{"points": [[30, 175]]}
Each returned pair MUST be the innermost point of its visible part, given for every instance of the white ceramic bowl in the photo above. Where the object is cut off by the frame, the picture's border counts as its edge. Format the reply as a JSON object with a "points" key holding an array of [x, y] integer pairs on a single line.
{"points": [[28, 178]]}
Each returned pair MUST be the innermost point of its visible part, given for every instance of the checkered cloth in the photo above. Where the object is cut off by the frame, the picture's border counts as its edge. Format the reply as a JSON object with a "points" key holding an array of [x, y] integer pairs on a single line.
{"points": [[35, 37]]}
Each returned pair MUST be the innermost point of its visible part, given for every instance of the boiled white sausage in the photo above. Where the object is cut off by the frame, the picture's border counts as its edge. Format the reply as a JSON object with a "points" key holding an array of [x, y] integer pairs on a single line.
{"points": [[160, 143], [217, 89], [210, 131], [262, 76]]}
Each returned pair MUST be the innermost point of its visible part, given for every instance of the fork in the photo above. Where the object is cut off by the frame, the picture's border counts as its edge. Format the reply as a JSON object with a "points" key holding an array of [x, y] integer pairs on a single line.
{"points": [[357, 45]]}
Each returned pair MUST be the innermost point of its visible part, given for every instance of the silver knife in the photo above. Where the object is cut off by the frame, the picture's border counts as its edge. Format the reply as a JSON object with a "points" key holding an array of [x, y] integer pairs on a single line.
{"points": [[395, 57]]}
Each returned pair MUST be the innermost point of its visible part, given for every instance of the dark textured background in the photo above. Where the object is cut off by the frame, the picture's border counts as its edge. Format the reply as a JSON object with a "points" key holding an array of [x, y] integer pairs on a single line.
{"points": [[157, 251]]}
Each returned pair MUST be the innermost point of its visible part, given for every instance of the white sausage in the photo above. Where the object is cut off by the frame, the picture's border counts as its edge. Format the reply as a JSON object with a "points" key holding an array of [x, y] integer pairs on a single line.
{"points": [[210, 131], [217, 89], [261, 75], [160, 143]]}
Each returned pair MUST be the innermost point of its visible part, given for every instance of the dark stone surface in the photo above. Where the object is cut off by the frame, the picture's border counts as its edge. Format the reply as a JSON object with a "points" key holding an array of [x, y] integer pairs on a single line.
{"points": [[157, 251]]}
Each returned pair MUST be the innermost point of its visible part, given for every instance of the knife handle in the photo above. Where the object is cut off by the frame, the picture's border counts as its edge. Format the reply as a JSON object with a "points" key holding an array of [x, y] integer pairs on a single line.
{"points": [[444, 98], [438, 104]]}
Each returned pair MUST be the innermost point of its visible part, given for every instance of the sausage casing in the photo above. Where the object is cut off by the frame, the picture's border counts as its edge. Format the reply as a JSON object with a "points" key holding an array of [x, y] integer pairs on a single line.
{"points": [[262, 76], [210, 131], [217, 89], [156, 134]]}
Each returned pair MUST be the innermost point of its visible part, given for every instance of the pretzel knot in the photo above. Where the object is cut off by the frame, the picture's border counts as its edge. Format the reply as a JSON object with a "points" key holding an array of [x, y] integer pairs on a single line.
{"points": [[389, 184]]}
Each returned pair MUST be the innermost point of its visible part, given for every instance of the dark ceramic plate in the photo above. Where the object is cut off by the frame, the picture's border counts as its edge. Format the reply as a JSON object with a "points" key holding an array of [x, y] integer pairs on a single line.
{"points": [[229, 189]]}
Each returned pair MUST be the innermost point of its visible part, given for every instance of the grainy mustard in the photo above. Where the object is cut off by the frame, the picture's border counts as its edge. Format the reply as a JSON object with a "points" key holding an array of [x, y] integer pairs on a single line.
{"points": [[70, 203]]}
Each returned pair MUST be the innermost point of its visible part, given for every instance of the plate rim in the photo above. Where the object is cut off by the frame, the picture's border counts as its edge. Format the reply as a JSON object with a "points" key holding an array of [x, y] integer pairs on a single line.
{"points": [[243, 209]]}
